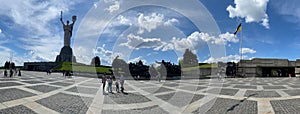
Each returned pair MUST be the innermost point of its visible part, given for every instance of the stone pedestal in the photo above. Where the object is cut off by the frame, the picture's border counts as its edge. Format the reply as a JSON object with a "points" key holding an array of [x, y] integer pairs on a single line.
{"points": [[66, 55]]}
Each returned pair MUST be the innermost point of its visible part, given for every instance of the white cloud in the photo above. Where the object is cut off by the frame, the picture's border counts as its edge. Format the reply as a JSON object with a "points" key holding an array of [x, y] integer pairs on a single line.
{"points": [[251, 10], [137, 42], [196, 40], [152, 21], [95, 5], [170, 22], [102, 51], [247, 50], [1, 34], [114, 7], [124, 21], [134, 60], [229, 58], [5, 55]]}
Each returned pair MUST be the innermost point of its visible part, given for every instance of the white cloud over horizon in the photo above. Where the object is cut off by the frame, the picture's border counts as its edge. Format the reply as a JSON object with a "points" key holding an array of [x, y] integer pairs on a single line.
{"points": [[251, 10], [230, 58], [247, 50], [194, 42]]}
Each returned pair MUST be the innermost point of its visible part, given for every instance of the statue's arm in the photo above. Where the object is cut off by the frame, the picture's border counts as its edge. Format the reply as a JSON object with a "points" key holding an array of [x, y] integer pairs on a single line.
{"points": [[62, 22], [73, 22]]}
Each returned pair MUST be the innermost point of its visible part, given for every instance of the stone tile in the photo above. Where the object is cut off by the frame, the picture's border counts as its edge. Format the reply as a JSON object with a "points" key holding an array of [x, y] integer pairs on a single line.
{"points": [[61, 84], [26, 78], [261, 94], [245, 87], [258, 84], [13, 94], [49, 80], [229, 106], [223, 91], [20, 109], [192, 88], [43, 88], [7, 84], [293, 92], [84, 90], [180, 99], [274, 87], [119, 98], [8, 79], [32, 82], [171, 84], [91, 84], [290, 106], [219, 85], [67, 104], [144, 85], [148, 110], [157, 90], [295, 86]]}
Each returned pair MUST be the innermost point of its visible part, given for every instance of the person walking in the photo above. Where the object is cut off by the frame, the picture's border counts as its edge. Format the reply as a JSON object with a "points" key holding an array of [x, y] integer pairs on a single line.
{"points": [[117, 86], [122, 80], [104, 82], [11, 73], [5, 73], [19, 72], [110, 81]]}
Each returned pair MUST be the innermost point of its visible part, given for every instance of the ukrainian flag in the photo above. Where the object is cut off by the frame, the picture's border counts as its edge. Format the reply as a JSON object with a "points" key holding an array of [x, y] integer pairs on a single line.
{"points": [[238, 29]]}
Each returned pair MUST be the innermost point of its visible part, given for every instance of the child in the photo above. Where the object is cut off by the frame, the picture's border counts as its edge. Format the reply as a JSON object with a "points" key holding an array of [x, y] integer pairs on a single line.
{"points": [[117, 86], [110, 81]]}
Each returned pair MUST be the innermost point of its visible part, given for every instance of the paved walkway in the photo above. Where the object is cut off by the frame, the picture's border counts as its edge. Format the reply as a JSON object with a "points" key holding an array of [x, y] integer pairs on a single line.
{"points": [[36, 92]]}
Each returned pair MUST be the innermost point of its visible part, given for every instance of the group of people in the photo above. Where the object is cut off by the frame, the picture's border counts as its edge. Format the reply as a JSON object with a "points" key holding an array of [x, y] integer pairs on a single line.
{"points": [[119, 83], [49, 72], [12, 72]]}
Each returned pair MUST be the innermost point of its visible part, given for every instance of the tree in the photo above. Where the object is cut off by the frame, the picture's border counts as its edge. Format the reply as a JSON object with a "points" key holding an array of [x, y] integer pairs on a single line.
{"points": [[152, 71], [96, 61], [120, 66], [140, 63], [189, 59]]}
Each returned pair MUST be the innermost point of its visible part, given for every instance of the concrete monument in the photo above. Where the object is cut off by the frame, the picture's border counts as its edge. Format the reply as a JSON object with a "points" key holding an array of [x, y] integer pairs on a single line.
{"points": [[66, 53]]}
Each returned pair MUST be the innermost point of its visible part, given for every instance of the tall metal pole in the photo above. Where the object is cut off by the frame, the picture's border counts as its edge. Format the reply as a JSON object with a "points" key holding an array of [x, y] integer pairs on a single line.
{"points": [[241, 45], [241, 50]]}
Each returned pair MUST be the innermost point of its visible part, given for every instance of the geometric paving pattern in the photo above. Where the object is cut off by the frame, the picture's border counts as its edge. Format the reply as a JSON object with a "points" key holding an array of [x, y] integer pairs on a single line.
{"points": [[36, 92]]}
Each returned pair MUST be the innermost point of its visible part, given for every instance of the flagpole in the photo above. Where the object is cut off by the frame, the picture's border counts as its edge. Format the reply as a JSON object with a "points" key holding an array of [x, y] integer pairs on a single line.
{"points": [[241, 46]]}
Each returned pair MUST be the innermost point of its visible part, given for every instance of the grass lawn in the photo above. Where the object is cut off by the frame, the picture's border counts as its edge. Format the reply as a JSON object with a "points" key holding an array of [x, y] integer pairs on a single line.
{"points": [[67, 66]]}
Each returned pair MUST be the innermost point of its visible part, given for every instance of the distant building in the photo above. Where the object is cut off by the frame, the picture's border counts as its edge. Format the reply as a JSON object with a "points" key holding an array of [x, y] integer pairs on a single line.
{"points": [[267, 67], [39, 66]]}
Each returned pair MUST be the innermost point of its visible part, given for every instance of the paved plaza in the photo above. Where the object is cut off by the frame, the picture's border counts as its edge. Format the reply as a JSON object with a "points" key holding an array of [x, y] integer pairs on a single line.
{"points": [[37, 92]]}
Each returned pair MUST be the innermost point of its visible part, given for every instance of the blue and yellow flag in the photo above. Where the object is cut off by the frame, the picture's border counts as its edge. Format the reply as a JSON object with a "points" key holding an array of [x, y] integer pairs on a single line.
{"points": [[238, 29]]}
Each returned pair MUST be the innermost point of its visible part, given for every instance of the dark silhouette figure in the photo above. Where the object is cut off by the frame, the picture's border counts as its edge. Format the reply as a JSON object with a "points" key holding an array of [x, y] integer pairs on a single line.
{"points": [[19, 73], [5, 73], [11, 73]]}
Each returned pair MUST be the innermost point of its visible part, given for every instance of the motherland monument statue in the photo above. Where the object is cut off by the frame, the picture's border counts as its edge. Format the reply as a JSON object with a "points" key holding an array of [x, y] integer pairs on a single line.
{"points": [[66, 53]]}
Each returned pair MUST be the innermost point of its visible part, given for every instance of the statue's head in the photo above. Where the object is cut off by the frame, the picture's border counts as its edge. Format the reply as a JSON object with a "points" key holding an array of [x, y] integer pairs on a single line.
{"points": [[68, 22]]}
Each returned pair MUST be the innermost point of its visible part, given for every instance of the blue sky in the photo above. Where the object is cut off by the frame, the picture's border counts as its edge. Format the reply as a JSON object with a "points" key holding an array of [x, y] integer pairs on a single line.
{"points": [[150, 31]]}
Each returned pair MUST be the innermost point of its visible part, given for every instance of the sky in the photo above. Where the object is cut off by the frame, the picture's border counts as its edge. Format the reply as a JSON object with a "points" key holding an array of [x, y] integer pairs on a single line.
{"points": [[30, 30]]}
